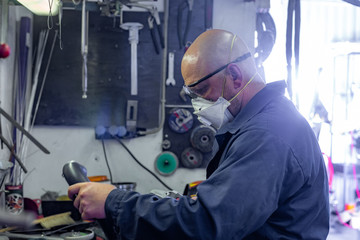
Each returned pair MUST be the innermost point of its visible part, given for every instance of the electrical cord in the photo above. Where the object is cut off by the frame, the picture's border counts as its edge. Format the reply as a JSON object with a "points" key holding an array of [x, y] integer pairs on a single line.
{"points": [[106, 159], [138, 162]]}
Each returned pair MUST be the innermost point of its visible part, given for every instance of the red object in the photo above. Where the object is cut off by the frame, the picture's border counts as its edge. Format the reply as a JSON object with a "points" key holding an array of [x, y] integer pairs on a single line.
{"points": [[4, 50]]}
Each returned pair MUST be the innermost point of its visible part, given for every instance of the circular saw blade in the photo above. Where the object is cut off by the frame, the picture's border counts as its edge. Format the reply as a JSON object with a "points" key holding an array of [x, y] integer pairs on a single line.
{"points": [[181, 120]]}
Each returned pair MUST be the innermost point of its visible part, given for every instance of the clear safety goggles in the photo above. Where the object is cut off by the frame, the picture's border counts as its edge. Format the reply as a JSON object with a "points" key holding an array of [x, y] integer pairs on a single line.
{"points": [[193, 95]]}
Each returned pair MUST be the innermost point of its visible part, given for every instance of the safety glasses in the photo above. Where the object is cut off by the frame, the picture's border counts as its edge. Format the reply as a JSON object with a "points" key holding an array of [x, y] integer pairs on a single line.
{"points": [[191, 94]]}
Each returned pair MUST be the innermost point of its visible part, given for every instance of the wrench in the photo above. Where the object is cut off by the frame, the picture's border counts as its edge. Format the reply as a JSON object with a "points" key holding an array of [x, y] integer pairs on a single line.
{"points": [[171, 80]]}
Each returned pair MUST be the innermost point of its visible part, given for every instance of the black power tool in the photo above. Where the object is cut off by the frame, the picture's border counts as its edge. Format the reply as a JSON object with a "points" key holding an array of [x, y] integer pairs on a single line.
{"points": [[74, 172]]}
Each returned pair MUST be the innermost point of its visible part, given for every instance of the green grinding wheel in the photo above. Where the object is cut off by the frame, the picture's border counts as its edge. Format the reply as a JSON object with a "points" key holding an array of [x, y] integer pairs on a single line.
{"points": [[166, 163]]}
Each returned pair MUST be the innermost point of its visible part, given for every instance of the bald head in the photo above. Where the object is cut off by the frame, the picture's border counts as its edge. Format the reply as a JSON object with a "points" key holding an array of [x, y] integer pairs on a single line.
{"points": [[211, 50], [217, 49]]}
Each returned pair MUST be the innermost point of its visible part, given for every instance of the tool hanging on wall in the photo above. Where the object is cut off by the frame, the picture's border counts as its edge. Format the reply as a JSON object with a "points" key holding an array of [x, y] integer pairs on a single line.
{"points": [[191, 158], [170, 80], [133, 28], [131, 116], [166, 163], [181, 120], [154, 16], [202, 138], [182, 36], [60, 18], [84, 46]]}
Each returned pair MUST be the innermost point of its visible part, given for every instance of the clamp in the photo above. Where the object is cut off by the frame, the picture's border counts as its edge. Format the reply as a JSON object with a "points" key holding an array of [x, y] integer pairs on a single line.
{"points": [[182, 37]]}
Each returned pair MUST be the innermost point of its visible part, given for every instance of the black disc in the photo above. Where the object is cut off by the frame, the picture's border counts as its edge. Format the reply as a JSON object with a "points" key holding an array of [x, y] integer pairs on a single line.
{"points": [[202, 138], [191, 158]]}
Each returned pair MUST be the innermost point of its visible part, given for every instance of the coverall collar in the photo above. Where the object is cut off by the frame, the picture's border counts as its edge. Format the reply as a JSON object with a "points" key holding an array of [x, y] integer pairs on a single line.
{"points": [[254, 106]]}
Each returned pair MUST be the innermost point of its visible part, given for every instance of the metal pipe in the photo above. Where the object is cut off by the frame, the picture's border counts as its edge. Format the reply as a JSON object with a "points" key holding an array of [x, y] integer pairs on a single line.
{"points": [[84, 46], [26, 133]]}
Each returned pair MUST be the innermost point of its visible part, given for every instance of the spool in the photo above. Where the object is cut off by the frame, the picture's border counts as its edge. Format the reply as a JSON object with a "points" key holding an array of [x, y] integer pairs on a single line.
{"points": [[14, 200], [191, 158], [202, 138], [166, 163], [181, 120]]}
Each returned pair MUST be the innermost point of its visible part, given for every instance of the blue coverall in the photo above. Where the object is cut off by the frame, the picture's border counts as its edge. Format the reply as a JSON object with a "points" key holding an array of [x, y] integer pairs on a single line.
{"points": [[268, 181]]}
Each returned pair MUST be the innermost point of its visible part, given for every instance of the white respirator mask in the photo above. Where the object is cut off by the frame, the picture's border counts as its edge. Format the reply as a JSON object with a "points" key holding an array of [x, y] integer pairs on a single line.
{"points": [[216, 113]]}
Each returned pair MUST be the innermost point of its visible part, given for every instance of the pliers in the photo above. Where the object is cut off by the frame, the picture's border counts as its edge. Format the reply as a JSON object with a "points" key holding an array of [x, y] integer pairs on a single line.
{"points": [[154, 16], [182, 37], [151, 19]]}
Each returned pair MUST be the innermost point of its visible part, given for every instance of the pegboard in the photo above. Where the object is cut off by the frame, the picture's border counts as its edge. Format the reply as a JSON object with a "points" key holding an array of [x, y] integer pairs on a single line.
{"points": [[201, 11], [108, 66], [184, 134], [180, 140]]}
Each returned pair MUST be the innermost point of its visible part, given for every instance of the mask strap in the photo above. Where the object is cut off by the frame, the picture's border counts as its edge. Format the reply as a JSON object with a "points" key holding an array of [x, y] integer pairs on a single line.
{"points": [[232, 45], [244, 87]]}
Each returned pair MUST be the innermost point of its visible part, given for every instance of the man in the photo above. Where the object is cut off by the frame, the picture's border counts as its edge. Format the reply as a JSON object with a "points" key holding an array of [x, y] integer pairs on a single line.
{"points": [[267, 179]]}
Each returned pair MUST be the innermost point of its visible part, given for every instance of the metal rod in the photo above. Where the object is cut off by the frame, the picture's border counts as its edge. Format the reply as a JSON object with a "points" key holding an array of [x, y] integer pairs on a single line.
{"points": [[84, 46], [26, 133], [13, 153]]}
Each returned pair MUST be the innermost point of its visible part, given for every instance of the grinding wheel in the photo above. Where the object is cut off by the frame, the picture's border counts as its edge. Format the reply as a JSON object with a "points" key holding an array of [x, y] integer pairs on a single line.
{"points": [[166, 163], [202, 138], [191, 158]]}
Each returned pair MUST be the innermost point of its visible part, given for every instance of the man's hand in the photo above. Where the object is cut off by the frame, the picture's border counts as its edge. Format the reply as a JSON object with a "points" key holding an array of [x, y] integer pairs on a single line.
{"points": [[90, 199]]}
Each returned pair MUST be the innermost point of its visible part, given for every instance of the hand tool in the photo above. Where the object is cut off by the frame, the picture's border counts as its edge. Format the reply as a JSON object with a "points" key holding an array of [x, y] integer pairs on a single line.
{"points": [[84, 45], [171, 80], [131, 116], [74, 172], [183, 37], [154, 16], [152, 33], [133, 28]]}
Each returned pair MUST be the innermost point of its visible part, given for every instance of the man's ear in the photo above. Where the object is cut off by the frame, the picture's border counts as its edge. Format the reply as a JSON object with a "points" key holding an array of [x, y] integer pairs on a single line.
{"points": [[236, 75]]}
